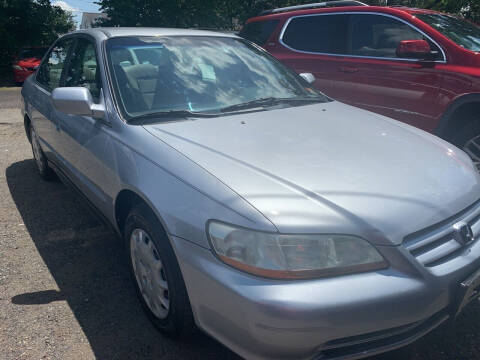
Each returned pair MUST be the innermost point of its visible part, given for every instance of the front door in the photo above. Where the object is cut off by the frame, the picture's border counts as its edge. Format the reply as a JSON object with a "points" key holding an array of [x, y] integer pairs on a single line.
{"points": [[403, 89], [83, 138]]}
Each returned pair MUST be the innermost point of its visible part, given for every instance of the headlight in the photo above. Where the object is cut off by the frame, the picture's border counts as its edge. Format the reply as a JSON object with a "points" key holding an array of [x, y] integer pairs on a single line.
{"points": [[292, 256], [18, 67]]}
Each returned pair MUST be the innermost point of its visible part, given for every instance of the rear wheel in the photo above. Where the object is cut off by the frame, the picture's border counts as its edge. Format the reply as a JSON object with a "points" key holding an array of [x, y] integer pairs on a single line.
{"points": [[468, 139], [156, 274], [46, 173]]}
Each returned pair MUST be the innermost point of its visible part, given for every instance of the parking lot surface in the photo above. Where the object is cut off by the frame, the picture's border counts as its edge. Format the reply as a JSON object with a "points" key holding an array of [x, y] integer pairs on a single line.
{"points": [[64, 288]]}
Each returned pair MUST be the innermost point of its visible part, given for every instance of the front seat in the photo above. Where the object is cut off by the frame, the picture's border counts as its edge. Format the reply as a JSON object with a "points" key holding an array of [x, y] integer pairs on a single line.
{"points": [[142, 79]]}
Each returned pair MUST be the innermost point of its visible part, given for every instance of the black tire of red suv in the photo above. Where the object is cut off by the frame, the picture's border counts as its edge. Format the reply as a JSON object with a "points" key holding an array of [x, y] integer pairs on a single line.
{"points": [[464, 136]]}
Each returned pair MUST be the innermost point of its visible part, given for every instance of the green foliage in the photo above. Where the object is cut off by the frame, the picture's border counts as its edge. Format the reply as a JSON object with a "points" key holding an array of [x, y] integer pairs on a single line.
{"points": [[230, 14], [30, 23], [225, 14], [469, 9]]}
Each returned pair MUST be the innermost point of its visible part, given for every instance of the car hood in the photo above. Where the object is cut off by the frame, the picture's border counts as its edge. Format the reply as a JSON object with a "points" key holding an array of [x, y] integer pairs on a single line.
{"points": [[330, 168]]}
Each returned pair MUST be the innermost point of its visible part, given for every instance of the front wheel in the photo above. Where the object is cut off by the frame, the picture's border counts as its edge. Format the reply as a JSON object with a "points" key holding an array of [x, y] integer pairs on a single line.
{"points": [[156, 274], [468, 139], [46, 173], [472, 148]]}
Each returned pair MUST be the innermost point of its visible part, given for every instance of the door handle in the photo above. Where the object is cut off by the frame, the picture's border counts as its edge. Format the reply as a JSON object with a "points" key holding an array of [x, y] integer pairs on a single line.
{"points": [[349, 69]]}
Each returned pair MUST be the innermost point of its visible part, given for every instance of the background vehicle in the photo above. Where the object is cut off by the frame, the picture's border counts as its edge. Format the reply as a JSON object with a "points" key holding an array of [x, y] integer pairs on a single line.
{"points": [[27, 62], [417, 66]]}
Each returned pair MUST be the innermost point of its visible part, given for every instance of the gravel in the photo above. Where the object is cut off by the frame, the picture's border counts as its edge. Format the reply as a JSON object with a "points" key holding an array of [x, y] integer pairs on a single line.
{"points": [[64, 287]]}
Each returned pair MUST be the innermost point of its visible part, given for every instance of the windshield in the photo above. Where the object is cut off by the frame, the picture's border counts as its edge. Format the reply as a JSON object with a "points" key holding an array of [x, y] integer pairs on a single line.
{"points": [[197, 74], [460, 31], [32, 53]]}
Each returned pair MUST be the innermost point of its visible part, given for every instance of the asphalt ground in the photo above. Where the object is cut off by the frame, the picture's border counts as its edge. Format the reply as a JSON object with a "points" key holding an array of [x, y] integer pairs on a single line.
{"points": [[65, 292]]}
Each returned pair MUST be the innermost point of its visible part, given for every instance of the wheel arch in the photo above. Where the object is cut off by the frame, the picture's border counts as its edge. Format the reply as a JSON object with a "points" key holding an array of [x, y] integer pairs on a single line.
{"points": [[125, 201], [458, 114]]}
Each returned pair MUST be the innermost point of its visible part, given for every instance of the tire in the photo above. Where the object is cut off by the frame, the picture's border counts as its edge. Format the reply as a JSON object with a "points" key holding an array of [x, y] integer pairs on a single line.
{"points": [[45, 172], [156, 274], [467, 138]]}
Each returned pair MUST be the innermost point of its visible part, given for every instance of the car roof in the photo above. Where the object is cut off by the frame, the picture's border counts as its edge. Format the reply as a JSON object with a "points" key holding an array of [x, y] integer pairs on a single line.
{"points": [[380, 9], [420, 11], [111, 32]]}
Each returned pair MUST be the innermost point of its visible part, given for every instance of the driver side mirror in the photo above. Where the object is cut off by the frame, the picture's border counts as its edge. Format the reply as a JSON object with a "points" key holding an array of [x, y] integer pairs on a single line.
{"points": [[77, 101], [308, 77], [415, 49]]}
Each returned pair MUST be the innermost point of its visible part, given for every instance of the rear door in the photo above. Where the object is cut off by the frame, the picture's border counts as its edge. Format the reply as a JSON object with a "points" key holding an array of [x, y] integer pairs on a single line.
{"points": [[314, 44], [404, 89], [49, 77]]}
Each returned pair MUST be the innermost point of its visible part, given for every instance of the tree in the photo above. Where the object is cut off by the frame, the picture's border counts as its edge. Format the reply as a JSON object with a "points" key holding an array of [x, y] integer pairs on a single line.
{"points": [[224, 14], [229, 14], [469, 9], [30, 23]]}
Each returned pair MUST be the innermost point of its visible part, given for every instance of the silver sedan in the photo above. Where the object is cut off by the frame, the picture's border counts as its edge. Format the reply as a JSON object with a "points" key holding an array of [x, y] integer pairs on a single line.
{"points": [[282, 223]]}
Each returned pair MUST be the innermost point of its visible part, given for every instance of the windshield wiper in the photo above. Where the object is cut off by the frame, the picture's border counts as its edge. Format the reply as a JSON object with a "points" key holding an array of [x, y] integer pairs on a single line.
{"points": [[176, 114], [264, 102], [269, 101]]}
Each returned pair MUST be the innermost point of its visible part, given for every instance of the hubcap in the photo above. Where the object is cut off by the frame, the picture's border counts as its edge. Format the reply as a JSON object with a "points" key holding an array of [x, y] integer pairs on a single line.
{"points": [[149, 273], [37, 152], [472, 148]]}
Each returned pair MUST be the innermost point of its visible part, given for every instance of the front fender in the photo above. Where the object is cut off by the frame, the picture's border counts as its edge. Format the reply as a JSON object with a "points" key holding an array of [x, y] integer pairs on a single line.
{"points": [[183, 195]]}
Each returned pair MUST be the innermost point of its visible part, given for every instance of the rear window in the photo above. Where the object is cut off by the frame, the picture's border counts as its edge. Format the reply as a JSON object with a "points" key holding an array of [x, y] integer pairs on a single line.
{"points": [[258, 31], [317, 33]]}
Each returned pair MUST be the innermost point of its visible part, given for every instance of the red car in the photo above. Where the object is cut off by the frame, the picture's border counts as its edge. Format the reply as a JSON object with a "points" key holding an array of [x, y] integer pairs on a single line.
{"points": [[417, 66], [26, 63]]}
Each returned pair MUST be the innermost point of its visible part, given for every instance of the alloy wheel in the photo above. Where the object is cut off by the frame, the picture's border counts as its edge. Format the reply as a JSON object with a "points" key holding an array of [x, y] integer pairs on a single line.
{"points": [[472, 148]]}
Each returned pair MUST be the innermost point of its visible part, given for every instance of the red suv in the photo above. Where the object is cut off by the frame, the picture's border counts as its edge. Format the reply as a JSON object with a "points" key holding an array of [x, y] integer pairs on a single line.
{"points": [[414, 65]]}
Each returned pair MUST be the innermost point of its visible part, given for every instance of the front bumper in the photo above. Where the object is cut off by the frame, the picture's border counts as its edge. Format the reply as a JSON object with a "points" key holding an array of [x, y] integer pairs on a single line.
{"points": [[347, 317]]}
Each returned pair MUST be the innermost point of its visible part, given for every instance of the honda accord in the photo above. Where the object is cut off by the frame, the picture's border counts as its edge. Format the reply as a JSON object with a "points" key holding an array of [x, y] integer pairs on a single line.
{"points": [[282, 223]]}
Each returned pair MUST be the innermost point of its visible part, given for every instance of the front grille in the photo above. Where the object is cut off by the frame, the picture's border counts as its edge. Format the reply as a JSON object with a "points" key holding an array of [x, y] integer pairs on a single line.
{"points": [[438, 244]]}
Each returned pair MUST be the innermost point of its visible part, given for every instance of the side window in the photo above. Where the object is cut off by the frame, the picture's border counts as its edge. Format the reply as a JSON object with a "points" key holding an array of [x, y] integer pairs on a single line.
{"points": [[258, 31], [83, 69], [50, 71], [379, 36], [317, 33]]}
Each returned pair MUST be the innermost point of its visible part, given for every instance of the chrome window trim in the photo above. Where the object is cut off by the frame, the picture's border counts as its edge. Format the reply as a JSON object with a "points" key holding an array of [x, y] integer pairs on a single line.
{"points": [[280, 39], [41, 88]]}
